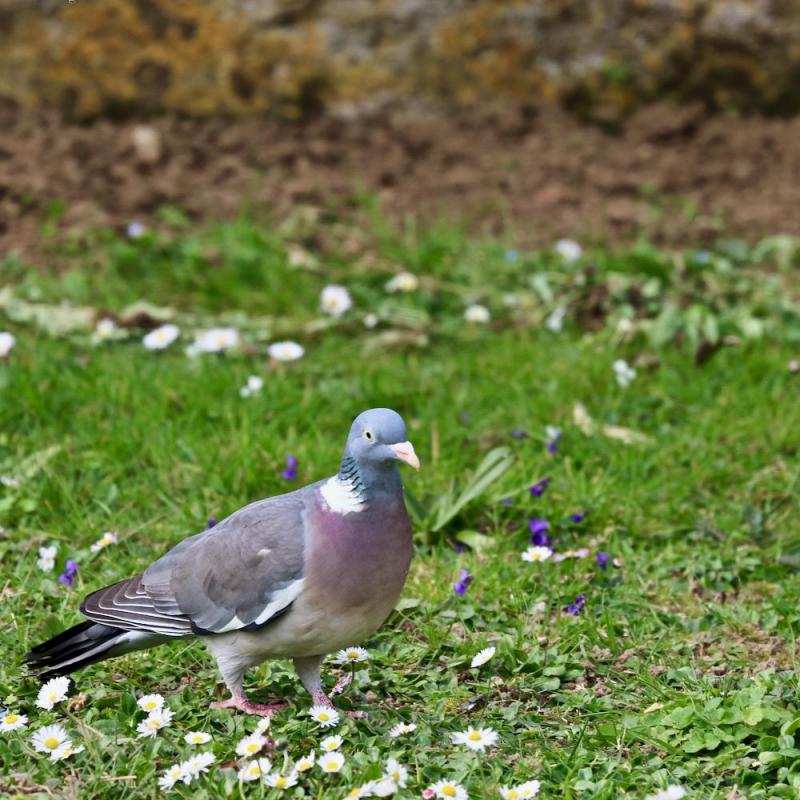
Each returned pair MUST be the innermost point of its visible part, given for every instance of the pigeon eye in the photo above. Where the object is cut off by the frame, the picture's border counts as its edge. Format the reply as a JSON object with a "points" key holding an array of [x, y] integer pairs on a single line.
{"points": [[368, 434]]}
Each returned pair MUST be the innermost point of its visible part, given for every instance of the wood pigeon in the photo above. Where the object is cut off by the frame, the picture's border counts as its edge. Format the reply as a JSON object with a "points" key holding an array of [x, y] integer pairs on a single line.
{"points": [[295, 576]]}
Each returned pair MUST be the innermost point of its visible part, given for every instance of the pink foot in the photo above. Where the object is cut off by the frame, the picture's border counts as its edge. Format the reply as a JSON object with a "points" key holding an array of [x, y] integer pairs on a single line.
{"points": [[241, 703], [341, 684]]}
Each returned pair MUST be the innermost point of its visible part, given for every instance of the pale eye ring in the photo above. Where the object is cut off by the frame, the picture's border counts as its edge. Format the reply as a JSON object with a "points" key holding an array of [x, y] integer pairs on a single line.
{"points": [[368, 434]]}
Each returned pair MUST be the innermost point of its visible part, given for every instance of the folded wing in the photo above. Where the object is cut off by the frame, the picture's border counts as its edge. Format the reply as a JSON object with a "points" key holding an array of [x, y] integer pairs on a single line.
{"points": [[240, 575]]}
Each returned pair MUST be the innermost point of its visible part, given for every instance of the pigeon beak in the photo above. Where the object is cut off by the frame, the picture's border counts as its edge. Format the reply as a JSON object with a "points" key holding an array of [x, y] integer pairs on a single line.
{"points": [[405, 452]]}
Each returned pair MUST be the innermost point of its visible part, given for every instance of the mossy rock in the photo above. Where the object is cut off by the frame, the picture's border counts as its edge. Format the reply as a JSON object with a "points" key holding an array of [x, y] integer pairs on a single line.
{"points": [[292, 57]]}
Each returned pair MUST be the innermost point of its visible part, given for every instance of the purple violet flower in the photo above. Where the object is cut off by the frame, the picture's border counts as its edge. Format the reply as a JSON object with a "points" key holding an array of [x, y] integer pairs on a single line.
{"points": [[290, 473], [507, 501], [539, 488], [553, 435], [512, 255], [462, 584], [577, 606], [518, 433], [577, 517], [603, 559], [67, 577], [212, 521], [539, 528]]}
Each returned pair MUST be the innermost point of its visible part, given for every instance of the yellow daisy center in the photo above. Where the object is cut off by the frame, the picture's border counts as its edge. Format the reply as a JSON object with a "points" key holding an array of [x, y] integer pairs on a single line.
{"points": [[51, 742], [323, 715], [53, 696], [280, 782], [474, 736], [303, 765], [513, 795], [252, 747], [255, 770], [10, 719], [396, 776], [149, 705], [449, 790]]}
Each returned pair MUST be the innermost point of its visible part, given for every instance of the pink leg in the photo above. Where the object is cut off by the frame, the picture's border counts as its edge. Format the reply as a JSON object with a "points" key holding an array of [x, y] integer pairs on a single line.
{"points": [[240, 702]]}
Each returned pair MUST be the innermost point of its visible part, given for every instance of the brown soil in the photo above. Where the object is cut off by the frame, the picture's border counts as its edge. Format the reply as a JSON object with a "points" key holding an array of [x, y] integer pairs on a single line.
{"points": [[673, 174]]}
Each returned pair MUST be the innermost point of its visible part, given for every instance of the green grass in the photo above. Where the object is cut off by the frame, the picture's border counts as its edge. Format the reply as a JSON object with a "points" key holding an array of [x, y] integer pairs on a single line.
{"points": [[682, 668]]}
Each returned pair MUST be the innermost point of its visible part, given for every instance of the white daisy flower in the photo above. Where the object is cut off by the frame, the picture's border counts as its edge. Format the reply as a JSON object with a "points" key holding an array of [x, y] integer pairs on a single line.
{"points": [[529, 789], [215, 340], [357, 792], [161, 338], [402, 728], [10, 721], [382, 788], [555, 322], [569, 250], [477, 313], [477, 739], [331, 762], [52, 692], [171, 776], [396, 772], [285, 351], [449, 790], [104, 330], [331, 743], [352, 655], [65, 751], [197, 764], [9, 480], [281, 782], [672, 792], [49, 738], [326, 717], [7, 342], [255, 769], [135, 229], [155, 721], [371, 320], [253, 386], [262, 725], [335, 300], [150, 702], [623, 372], [304, 763], [482, 656], [108, 538], [522, 792], [197, 737], [403, 282], [250, 745], [47, 558], [552, 432], [581, 552], [537, 554]]}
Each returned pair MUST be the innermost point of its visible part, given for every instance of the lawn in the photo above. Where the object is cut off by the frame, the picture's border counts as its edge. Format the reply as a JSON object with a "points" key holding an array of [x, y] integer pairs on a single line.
{"points": [[677, 668]]}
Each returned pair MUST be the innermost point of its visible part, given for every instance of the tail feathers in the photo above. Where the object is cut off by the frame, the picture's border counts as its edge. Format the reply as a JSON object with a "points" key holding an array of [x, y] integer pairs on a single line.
{"points": [[77, 647]]}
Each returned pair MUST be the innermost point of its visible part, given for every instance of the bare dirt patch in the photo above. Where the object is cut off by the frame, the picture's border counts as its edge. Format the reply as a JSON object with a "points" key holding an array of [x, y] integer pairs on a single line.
{"points": [[676, 175]]}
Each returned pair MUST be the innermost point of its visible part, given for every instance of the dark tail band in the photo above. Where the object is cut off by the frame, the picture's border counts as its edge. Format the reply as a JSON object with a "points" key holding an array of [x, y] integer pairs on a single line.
{"points": [[74, 648]]}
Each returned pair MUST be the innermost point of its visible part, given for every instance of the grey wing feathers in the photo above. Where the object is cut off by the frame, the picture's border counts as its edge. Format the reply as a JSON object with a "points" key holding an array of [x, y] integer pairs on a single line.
{"points": [[129, 606], [239, 575]]}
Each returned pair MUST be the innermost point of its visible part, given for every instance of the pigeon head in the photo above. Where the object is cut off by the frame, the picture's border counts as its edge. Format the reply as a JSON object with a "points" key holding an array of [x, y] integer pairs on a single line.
{"points": [[378, 438]]}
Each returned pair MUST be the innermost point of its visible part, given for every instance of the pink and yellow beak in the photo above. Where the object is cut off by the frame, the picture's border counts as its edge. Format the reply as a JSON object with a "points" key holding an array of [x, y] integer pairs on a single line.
{"points": [[405, 452]]}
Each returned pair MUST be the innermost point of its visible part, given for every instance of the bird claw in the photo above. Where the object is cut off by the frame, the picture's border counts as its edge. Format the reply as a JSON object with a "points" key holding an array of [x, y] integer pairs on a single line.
{"points": [[341, 684], [248, 706]]}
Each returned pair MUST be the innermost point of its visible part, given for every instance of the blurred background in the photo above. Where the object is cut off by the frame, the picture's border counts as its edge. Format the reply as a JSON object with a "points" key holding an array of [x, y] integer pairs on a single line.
{"points": [[666, 119]]}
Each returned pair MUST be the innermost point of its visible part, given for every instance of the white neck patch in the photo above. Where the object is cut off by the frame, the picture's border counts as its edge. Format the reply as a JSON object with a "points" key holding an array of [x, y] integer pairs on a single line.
{"points": [[341, 496]]}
